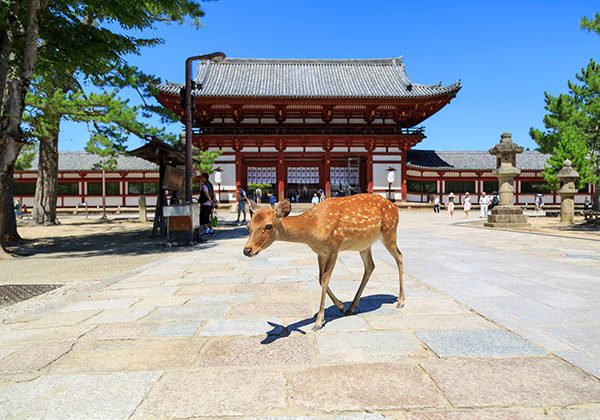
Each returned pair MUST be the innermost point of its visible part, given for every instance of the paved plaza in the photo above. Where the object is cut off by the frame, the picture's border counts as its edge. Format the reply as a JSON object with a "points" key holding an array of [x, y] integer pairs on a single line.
{"points": [[497, 324]]}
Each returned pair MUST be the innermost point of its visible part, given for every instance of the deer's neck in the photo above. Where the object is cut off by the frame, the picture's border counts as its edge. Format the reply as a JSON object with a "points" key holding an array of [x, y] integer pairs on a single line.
{"points": [[296, 229]]}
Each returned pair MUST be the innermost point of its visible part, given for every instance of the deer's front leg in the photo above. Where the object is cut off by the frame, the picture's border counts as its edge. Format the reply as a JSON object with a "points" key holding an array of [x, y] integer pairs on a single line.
{"points": [[338, 303], [329, 263]]}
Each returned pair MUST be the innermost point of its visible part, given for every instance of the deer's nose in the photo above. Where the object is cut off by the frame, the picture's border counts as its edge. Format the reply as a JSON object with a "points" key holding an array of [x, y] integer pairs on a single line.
{"points": [[248, 251]]}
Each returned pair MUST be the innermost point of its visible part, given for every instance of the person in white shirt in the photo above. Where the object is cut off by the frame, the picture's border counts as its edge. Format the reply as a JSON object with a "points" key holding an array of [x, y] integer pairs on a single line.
{"points": [[484, 201], [315, 199], [436, 205]]}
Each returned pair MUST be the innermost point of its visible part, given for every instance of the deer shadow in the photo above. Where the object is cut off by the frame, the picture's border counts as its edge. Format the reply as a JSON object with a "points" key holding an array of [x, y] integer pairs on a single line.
{"points": [[367, 304]]}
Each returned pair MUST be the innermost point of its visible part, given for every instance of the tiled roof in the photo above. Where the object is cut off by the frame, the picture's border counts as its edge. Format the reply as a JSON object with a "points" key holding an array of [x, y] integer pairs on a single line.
{"points": [[83, 161], [431, 159], [369, 78]]}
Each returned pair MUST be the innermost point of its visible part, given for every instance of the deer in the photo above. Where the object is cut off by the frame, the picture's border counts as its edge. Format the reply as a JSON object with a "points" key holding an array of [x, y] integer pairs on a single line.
{"points": [[338, 224]]}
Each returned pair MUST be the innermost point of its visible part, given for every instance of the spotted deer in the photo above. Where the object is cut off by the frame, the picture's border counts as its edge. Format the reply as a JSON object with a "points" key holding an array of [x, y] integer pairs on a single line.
{"points": [[337, 224]]}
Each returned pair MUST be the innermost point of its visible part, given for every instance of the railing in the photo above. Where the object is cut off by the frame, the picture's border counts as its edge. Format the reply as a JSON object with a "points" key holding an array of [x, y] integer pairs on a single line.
{"points": [[308, 129]]}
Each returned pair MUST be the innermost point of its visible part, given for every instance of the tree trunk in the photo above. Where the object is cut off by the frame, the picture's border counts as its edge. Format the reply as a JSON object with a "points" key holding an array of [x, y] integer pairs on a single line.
{"points": [[46, 189], [10, 228], [10, 123], [596, 198], [9, 150]]}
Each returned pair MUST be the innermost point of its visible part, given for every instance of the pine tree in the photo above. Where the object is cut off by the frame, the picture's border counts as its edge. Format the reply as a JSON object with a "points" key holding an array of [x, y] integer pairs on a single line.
{"points": [[571, 146]]}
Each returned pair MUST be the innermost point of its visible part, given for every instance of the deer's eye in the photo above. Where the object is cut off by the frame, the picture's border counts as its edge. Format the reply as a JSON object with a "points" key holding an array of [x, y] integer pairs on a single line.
{"points": [[268, 227]]}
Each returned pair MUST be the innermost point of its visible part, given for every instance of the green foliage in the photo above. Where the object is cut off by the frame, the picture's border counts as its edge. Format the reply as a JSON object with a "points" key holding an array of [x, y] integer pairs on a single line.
{"points": [[26, 156], [570, 146], [592, 25], [205, 159], [263, 187], [573, 122]]}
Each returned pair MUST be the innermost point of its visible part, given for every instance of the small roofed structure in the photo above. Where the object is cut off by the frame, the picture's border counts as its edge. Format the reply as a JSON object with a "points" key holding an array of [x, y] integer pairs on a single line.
{"points": [[166, 156]]}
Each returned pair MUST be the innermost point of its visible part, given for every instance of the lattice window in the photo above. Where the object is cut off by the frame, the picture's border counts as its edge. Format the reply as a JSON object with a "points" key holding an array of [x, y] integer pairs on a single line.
{"points": [[303, 175], [344, 176], [260, 175]]}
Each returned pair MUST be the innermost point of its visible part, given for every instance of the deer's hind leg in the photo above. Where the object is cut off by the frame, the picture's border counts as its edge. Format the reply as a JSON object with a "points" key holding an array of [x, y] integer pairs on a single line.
{"points": [[367, 257], [389, 241], [338, 303]]}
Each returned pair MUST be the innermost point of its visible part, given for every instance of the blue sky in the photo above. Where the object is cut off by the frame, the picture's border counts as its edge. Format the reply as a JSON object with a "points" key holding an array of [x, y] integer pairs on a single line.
{"points": [[506, 53]]}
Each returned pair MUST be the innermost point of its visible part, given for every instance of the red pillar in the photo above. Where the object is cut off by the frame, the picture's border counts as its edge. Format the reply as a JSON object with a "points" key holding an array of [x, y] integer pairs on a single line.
{"points": [[404, 190], [370, 171], [238, 168], [281, 175], [327, 175]]}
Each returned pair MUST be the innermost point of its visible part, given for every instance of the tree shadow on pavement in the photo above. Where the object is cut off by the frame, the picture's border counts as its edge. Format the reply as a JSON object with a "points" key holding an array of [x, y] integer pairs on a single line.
{"points": [[367, 304]]}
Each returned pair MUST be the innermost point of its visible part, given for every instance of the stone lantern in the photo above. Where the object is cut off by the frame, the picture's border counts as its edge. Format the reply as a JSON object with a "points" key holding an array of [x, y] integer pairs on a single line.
{"points": [[568, 178], [506, 214]]}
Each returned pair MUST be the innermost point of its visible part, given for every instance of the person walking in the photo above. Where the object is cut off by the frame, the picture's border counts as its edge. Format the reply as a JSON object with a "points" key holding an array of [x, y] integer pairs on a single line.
{"points": [[483, 205], [436, 205], [467, 204], [315, 199], [206, 206], [450, 208], [241, 204]]}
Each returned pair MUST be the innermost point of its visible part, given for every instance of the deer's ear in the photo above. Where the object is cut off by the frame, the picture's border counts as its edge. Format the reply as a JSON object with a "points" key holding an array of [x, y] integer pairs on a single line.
{"points": [[253, 206], [283, 208]]}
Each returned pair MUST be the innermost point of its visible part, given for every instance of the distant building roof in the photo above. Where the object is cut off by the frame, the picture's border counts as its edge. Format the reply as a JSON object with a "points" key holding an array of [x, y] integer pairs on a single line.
{"points": [[476, 160], [83, 161], [308, 78]]}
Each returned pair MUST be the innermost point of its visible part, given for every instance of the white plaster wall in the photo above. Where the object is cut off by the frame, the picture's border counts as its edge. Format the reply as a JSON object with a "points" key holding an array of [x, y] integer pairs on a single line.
{"points": [[380, 176]]}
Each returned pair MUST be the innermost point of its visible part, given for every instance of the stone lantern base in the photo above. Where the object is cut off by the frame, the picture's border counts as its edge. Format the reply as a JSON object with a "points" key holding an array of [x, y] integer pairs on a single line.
{"points": [[507, 217]]}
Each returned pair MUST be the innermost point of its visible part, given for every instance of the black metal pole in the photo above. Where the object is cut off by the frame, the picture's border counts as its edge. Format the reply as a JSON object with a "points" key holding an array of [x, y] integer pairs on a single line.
{"points": [[188, 118]]}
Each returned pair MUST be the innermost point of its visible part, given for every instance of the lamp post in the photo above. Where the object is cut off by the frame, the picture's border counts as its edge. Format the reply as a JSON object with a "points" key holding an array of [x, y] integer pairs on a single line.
{"points": [[391, 178], [219, 180], [216, 56]]}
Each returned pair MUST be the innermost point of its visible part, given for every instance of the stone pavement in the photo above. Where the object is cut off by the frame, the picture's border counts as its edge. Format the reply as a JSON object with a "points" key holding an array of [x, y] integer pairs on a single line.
{"points": [[209, 333]]}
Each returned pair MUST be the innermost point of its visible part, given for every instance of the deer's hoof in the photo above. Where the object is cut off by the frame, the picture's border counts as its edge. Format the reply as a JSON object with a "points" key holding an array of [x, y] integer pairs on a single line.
{"points": [[400, 305], [317, 327], [349, 312]]}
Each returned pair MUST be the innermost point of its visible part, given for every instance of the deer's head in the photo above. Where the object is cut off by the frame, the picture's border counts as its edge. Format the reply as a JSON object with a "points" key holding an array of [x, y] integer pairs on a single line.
{"points": [[264, 225]]}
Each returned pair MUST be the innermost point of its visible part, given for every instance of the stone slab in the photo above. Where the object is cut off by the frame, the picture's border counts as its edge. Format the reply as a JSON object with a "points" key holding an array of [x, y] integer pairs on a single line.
{"points": [[119, 331], [184, 328], [77, 396], [153, 302], [579, 413], [364, 387], [193, 312], [61, 319], [276, 309], [523, 381], [367, 347], [241, 327], [214, 393], [88, 305], [129, 355], [33, 357], [479, 414], [422, 322], [477, 343], [42, 335], [292, 350], [110, 316], [142, 291], [225, 298], [432, 306]]}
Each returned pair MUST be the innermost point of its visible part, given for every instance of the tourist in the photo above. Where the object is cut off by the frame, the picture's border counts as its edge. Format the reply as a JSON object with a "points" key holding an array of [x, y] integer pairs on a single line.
{"points": [[450, 208], [206, 205], [18, 207], [494, 200], [539, 202], [241, 204], [436, 205], [272, 200], [484, 201], [586, 204], [258, 195], [315, 199], [467, 204]]}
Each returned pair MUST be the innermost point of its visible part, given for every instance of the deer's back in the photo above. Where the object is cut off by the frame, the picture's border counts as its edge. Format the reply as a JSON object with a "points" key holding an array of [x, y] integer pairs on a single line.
{"points": [[355, 222]]}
